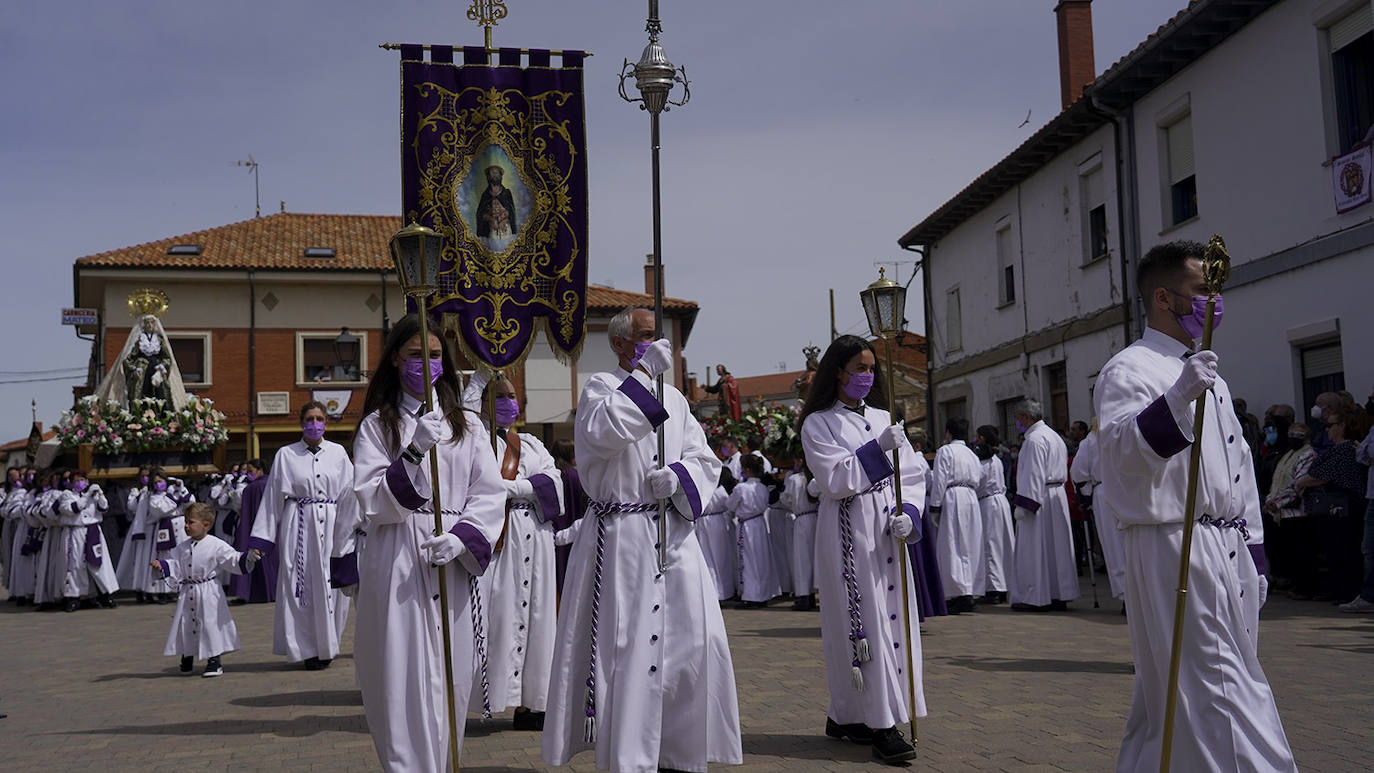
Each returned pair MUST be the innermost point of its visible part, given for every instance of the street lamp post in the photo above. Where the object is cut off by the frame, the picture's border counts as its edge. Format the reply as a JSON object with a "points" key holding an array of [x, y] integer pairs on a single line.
{"points": [[346, 353], [654, 76], [415, 250], [884, 304]]}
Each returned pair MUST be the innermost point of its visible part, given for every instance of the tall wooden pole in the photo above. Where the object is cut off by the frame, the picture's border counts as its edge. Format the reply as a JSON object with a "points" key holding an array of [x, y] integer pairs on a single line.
{"points": [[902, 560]]}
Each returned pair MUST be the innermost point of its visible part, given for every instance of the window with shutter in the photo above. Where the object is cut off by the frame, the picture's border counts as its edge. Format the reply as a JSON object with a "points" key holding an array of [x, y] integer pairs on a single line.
{"points": [[1178, 138], [1352, 75]]}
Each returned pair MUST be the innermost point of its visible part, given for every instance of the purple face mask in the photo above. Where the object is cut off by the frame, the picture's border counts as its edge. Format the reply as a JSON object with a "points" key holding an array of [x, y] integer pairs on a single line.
{"points": [[860, 384], [250, 476], [413, 373], [80, 486], [143, 480], [640, 348], [160, 486], [507, 410], [1193, 323], [313, 430]]}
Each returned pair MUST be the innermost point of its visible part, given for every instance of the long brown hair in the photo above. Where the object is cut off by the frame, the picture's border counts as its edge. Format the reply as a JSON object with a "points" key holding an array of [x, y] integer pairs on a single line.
{"points": [[825, 387], [385, 389]]}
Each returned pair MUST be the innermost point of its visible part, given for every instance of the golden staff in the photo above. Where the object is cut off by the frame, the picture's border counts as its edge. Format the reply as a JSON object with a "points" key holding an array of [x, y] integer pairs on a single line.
{"points": [[415, 250], [1216, 267]]}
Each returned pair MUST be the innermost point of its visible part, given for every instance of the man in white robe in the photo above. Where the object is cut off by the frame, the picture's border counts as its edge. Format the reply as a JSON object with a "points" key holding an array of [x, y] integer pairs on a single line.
{"points": [[1083, 472], [1226, 716], [954, 495], [1045, 577], [650, 643]]}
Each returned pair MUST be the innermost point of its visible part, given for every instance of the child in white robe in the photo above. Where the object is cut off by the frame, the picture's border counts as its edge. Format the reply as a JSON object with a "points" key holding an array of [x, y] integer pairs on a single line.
{"points": [[716, 533], [758, 578], [202, 627], [802, 507], [84, 569], [999, 537]]}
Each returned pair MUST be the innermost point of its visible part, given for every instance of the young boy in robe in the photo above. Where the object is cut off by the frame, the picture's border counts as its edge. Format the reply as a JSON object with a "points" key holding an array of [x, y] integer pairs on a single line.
{"points": [[758, 577], [202, 626]]}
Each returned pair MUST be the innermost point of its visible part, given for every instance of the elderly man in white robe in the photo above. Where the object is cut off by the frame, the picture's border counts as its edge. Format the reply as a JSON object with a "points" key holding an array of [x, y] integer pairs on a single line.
{"points": [[954, 495], [642, 668], [1226, 717], [1045, 577], [519, 589], [1083, 473], [311, 481]]}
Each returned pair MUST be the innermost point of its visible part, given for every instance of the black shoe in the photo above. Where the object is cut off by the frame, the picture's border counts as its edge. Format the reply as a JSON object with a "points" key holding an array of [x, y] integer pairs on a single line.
{"points": [[529, 720], [213, 668], [313, 664], [805, 603], [858, 732], [44, 606], [187, 664], [71, 605], [106, 600], [157, 598], [890, 747], [1023, 607], [22, 601], [960, 604], [1059, 606], [325, 663]]}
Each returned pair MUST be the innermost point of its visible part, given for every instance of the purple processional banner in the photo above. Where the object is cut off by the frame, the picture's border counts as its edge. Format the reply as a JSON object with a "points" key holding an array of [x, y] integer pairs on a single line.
{"points": [[493, 157]]}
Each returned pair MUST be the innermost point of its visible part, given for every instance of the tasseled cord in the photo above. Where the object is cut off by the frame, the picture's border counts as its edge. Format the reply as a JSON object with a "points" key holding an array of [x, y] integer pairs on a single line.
{"points": [[856, 677]]}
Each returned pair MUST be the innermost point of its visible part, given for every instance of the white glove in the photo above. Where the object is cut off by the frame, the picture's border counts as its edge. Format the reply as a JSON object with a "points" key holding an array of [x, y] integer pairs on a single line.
{"points": [[443, 548], [813, 487], [891, 438], [658, 359], [901, 526], [519, 489], [1263, 589], [662, 483], [350, 591], [429, 429], [564, 537], [251, 562], [1199, 374]]}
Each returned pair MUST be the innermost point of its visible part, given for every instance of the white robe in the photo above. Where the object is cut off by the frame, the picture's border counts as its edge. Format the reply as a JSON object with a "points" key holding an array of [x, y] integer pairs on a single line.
{"points": [[999, 539], [49, 561], [136, 551], [664, 681], [1045, 568], [959, 540], [1226, 717], [397, 641], [758, 578], [1084, 473], [77, 514], [519, 590], [842, 452], [202, 626], [716, 534], [20, 570], [9, 524], [803, 509], [780, 540]]}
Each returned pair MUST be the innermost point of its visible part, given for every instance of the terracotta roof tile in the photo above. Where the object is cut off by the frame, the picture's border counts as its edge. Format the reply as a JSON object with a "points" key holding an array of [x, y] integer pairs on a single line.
{"points": [[601, 298]]}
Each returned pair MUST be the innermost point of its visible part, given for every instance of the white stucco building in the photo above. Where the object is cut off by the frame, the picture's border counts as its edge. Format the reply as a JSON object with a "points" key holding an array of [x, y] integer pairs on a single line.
{"points": [[1225, 121]]}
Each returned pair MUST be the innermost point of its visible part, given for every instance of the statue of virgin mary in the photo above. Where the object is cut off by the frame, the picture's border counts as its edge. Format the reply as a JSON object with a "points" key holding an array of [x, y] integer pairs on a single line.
{"points": [[146, 366]]}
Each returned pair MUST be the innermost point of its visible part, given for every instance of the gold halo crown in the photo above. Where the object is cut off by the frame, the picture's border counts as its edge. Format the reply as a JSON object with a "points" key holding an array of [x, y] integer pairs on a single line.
{"points": [[146, 301]]}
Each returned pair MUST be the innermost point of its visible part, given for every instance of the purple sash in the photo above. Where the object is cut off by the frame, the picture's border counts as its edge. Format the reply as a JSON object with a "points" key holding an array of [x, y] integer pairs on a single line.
{"points": [[34, 543], [165, 540], [95, 552]]}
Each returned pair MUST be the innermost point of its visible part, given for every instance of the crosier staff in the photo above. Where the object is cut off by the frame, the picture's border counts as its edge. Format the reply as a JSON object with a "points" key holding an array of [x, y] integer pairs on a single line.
{"points": [[1216, 267]]}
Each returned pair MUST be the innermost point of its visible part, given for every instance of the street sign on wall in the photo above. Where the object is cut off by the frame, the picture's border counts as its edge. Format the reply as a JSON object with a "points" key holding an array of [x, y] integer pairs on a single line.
{"points": [[80, 316]]}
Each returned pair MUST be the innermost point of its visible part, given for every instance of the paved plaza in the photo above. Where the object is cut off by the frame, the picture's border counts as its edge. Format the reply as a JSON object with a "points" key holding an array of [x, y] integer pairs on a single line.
{"points": [[1007, 692]]}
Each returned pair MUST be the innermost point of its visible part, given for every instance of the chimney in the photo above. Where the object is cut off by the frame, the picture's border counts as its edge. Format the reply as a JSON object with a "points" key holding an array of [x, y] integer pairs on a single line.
{"points": [[1076, 68], [649, 276]]}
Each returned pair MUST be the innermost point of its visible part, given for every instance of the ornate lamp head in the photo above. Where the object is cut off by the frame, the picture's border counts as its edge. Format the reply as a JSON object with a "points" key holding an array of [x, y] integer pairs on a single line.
{"points": [[811, 352], [1216, 264], [654, 74], [884, 304], [415, 250], [145, 301]]}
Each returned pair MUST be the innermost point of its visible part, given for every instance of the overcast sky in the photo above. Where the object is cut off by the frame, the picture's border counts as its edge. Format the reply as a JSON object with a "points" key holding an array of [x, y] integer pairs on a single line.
{"points": [[818, 133]]}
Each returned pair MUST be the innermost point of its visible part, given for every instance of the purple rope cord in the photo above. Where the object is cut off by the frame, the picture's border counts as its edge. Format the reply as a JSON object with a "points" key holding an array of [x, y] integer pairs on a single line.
{"points": [[602, 510], [301, 504], [1239, 524], [858, 639], [479, 635]]}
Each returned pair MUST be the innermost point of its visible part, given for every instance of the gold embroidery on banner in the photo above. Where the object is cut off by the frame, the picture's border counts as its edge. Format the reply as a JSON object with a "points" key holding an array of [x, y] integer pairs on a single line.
{"points": [[492, 128]]}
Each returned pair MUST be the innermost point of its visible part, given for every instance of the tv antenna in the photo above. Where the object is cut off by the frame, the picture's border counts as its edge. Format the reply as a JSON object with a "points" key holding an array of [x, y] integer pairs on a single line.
{"points": [[253, 170]]}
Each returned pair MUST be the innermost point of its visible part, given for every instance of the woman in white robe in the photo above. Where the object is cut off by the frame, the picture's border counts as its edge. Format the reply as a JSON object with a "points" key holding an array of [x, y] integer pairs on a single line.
{"points": [[21, 565], [999, 537], [869, 651], [520, 589], [137, 550], [954, 495], [758, 577], [43, 525], [311, 481], [398, 645], [9, 520], [86, 567], [799, 502], [166, 529], [716, 534]]}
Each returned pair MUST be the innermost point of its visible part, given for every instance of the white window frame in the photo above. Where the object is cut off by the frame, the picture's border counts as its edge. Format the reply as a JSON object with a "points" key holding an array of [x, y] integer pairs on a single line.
{"points": [[1087, 203], [1006, 296], [303, 383], [206, 339], [1178, 111]]}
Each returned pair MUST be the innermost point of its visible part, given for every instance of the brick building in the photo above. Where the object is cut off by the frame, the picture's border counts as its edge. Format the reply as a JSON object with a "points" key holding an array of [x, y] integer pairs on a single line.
{"points": [[256, 317]]}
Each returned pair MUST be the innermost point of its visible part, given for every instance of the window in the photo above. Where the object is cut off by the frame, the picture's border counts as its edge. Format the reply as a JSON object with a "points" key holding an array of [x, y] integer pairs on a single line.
{"points": [[1090, 187], [1006, 418], [951, 409], [322, 360], [1006, 274], [953, 324], [1352, 75], [1057, 379], [192, 353], [1323, 370], [1182, 180]]}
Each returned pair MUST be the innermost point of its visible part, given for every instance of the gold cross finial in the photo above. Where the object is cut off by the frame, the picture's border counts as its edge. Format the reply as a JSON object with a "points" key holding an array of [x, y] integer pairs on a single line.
{"points": [[1216, 264]]}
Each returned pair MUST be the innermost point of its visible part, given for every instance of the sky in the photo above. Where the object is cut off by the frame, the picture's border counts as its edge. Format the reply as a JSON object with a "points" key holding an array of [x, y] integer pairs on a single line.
{"points": [[817, 134]]}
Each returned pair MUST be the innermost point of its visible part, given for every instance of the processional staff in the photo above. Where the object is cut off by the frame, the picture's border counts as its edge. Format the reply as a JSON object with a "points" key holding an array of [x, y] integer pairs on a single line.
{"points": [[1216, 268]]}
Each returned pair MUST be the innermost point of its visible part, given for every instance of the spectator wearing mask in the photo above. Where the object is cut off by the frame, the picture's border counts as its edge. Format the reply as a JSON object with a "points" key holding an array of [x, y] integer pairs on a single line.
{"points": [[1342, 480], [1294, 544]]}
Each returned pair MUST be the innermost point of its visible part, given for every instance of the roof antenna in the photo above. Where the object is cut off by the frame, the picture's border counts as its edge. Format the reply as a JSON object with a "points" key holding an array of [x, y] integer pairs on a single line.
{"points": [[283, 206], [253, 169]]}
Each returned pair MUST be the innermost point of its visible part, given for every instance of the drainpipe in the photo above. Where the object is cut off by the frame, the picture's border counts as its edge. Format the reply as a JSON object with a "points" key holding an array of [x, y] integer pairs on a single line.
{"points": [[252, 366], [924, 251], [1125, 186], [386, 321]]}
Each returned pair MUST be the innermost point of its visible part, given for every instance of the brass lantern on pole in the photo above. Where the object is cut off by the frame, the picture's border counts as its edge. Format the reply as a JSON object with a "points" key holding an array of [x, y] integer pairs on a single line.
{"points": [[415, 250], [884, 304]]}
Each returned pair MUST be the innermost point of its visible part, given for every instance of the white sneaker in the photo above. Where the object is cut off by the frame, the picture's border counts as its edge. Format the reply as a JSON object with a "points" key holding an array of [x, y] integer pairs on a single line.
{"points": [[1358, 606]]}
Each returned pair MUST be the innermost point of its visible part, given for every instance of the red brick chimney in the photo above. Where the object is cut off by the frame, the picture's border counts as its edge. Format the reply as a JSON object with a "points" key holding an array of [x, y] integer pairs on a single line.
{"points": [[649, 276], [1076, 68]]}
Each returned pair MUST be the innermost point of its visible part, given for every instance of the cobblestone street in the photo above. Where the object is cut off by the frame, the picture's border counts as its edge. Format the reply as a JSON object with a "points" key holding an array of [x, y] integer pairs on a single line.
{"points": [[1007, 691]]}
